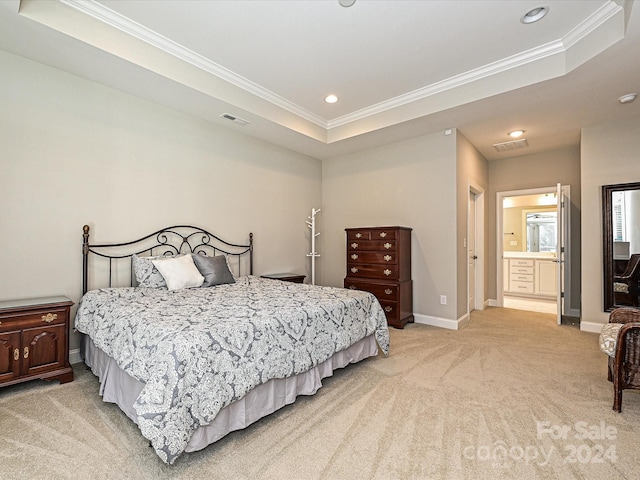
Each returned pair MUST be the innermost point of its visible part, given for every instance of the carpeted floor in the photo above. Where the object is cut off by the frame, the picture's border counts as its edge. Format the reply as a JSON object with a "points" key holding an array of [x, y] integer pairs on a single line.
{"points": [[511, 395]]}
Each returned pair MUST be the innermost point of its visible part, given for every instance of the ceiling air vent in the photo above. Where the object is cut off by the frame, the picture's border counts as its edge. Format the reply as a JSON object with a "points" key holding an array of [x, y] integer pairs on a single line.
{"points": [[508, 146], [234, 119]]}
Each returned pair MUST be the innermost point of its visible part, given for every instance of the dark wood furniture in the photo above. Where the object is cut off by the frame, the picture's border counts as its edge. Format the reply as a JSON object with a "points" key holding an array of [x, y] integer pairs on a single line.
{"points": [[624, 367], [608, 240], [34, 340], [286, 277], [379, 261]]}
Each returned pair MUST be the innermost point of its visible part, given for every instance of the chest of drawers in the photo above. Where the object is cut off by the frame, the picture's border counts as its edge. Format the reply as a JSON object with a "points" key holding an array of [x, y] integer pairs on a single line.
{"points": [[379, 262], [34, 340]]}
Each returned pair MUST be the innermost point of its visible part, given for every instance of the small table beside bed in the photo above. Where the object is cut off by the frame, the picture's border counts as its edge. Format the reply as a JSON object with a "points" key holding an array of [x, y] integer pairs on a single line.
{"points": [[200, 346]]}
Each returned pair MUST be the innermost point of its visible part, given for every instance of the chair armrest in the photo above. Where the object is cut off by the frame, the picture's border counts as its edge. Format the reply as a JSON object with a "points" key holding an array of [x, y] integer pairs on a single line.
{"points": [[624, 315], [622, 345]]}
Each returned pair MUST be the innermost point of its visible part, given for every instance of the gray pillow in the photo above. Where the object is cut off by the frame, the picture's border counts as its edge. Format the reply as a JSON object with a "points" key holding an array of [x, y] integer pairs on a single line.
{"points": [[214, 270]]}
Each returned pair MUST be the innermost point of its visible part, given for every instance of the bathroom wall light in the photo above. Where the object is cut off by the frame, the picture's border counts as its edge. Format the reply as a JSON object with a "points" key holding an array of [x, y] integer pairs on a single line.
{"points": [[516, 133]]}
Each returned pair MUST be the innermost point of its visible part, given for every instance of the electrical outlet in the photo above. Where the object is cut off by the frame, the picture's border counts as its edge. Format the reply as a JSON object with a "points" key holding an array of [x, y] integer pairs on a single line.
{"points": [[443, 299]]}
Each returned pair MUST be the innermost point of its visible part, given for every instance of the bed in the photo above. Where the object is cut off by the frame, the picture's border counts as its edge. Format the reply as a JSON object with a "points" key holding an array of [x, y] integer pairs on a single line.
{"points": [[190, 358]]}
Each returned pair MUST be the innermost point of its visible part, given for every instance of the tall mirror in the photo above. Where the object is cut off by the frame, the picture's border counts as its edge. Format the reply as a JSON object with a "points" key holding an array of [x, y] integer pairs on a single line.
{"points": [[621, 242]]}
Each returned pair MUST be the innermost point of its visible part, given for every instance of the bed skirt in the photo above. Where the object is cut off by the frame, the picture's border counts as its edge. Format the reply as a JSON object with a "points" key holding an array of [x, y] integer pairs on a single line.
{"points": [[116, 386]]}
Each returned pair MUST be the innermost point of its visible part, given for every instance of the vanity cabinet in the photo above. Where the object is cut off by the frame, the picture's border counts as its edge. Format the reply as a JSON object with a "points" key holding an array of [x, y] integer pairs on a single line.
{"points": [[531, 277]]}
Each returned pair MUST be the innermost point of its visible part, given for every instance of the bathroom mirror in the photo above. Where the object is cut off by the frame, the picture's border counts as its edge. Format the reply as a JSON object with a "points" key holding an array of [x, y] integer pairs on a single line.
{"points": [[621, 239]]}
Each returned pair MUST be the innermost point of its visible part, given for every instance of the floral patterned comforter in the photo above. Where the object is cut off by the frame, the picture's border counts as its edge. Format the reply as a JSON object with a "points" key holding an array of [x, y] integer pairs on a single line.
{"points": [[197, 350]]}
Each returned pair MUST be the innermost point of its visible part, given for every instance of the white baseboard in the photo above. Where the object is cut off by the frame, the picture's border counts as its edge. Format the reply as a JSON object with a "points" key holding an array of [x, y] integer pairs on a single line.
{"points": [[593, 327], [74, 356], [492, 302], [441, 322]]}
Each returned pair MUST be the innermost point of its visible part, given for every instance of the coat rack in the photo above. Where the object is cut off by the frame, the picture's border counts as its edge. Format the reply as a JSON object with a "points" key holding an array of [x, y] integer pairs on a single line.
{"points": [[311, 223]]}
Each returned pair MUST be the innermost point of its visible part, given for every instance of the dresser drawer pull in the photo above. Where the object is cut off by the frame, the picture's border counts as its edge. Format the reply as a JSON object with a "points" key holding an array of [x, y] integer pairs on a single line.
{"points": [[49, 317], [383, 234], [16, 354], [354, 269], [388, 258], [388, 291], [387, 245], [354, 245], [388, 309], [358, 235], [354, 256], [387, 272], [26, 352]]}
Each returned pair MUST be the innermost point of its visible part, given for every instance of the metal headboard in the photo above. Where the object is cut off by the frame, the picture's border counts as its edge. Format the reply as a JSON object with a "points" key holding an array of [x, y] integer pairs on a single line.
{"points": [[168, 241]]}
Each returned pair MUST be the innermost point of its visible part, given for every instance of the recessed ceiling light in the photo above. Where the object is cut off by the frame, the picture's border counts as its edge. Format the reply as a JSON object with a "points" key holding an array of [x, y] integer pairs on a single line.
{"points": [[516, 133], [331, 99], [534, 15], [346, 3], [628, 98]]}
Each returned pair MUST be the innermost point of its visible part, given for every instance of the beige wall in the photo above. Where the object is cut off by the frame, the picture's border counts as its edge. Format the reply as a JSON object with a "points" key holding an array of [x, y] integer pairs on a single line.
{"points": [[76, 152], [472, 172], [409, 183], [537, 171], [610, 155]]}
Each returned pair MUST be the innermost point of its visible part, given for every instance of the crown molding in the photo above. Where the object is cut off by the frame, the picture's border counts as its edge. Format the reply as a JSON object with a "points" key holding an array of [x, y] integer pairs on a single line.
{"points": [[140, 32]]}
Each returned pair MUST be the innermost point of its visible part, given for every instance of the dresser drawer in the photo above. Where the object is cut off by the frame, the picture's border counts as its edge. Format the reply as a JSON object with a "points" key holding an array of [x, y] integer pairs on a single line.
{"points": [[521, 270], [372, 245], [381, 291], [34, 318], [372, 234], [521, 287], [520, 262], [390, 310], [372, 257], [520, 277], [372, 271]]}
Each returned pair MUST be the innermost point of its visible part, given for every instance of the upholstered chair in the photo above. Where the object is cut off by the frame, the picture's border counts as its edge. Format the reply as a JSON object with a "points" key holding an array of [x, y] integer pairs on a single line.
{"points": [[625, 286], [620, 339]]}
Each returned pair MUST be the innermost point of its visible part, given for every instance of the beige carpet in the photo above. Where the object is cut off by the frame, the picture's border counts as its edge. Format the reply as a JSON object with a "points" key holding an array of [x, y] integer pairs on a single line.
{"points": [[511, 395]]}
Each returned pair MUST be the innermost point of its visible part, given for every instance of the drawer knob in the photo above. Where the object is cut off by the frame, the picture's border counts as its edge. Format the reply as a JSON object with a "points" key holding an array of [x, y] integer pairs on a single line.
{"points": [[49, 317], [387, 245], [383, 234], [388, 309], [387, 271], [26, 352], [388, 258], [16, 354], [354, 256], [354, 269], [354, 245], [388, 291], [358, 235]]}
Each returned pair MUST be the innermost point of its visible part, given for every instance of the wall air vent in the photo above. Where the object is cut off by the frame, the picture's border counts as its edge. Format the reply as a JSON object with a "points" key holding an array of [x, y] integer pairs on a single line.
{"points": [[234, 119], [508, 146]]}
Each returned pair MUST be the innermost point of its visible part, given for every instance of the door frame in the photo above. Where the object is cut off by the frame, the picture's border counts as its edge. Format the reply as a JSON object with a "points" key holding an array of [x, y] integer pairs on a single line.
{"points": [[500, 243], [478, 296]]}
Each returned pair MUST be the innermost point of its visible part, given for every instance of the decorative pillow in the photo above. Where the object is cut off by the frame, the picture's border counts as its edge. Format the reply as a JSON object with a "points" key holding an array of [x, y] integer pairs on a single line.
{"points": [[147, 275], [179, 272], [609, 338], [214, 269], [620, 287]]}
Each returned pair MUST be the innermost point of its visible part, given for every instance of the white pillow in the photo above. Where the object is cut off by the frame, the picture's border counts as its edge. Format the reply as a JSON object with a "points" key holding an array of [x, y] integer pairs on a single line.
{"points": [[179, 272]]}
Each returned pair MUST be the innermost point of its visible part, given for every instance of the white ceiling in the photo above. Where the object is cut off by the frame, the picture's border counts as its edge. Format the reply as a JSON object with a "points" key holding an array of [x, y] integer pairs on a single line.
{"points": [[400, 68]]}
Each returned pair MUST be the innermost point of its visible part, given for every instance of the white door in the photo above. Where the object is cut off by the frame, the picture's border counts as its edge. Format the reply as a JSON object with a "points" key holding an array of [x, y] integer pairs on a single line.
{"points": [[562, 194], [471, 251]]}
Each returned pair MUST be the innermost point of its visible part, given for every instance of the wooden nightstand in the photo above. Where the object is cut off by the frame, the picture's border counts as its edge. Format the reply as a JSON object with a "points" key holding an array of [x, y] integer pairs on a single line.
{"points": [[34, 340], [286, 277]]}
